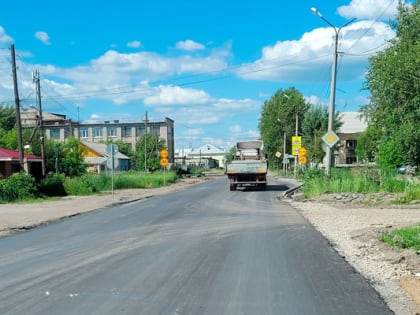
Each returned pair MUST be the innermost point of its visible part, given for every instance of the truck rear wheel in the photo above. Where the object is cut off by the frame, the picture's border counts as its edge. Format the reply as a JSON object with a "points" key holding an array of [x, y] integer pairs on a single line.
{"points": [[232, 187]]}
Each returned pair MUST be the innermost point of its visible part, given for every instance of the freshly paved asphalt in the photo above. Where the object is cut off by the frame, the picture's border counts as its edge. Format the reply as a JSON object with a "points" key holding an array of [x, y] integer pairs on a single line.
{"points": [[203, 250]]}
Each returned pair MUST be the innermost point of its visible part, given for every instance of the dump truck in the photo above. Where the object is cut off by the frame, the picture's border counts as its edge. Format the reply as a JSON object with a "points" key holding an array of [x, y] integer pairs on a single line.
{"points": [[248, 166]]}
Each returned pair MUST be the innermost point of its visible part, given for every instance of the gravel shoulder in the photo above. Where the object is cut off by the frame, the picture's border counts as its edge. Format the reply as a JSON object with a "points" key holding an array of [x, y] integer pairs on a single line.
{"points": [[352, 229]]}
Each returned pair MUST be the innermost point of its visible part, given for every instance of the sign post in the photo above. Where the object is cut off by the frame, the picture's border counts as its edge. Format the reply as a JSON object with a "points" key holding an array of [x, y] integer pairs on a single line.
{"points": [[164, 162], [112, 150], [302, 156], [278, 155]]}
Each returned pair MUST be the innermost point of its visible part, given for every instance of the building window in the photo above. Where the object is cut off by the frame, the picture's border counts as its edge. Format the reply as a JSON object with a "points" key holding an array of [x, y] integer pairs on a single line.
{"points": [[97, 132], [55, 133], [126, 131], [155, 129], [140, 131], [111, 131], [351, 160], [84, 133], [351, 144]]}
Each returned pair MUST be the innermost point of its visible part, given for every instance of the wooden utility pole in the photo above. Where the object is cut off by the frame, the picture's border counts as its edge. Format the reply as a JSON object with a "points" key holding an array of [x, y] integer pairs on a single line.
{"points": [[145, 143], [17, 106], [41, 124]]}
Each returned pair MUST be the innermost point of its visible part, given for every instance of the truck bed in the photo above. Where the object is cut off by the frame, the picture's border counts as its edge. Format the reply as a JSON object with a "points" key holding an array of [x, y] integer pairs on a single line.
{"points": [[247, 167]]}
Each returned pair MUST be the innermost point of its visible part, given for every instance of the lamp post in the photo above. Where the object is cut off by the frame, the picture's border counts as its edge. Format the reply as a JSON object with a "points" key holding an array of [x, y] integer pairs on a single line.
{"points": [[333, 83]]}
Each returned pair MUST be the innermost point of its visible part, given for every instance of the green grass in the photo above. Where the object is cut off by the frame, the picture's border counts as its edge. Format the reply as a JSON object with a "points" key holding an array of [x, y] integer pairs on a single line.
{"points": [[358, 180], [408, 237], [90, 184], [143, 180]]}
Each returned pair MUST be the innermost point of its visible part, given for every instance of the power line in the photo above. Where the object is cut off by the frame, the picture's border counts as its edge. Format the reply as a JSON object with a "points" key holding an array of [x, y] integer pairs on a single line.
{"points": [[373, 23]]}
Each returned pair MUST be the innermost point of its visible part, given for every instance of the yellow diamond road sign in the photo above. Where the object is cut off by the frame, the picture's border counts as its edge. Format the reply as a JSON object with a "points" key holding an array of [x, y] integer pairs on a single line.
{"points": [[330, 138]]}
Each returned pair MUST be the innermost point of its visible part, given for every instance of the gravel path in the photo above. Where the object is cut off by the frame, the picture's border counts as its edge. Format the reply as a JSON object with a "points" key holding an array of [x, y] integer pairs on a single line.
{"points": [[353, 231]]}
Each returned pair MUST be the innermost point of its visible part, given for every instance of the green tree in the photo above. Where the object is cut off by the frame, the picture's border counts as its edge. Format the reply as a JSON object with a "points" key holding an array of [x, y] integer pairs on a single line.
{"points": [[146, 155], [367, 144], [73, 164], [230, 154], [314, 127], [278, 117], [55, 154], [123, 147], [7, 117], [393, 80]]}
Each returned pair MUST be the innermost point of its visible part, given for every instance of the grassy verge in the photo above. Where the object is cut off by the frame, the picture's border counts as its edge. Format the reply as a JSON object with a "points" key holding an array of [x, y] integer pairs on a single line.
{"points": [[144, 180], [358, 180], [408, 237], [89, 184]]}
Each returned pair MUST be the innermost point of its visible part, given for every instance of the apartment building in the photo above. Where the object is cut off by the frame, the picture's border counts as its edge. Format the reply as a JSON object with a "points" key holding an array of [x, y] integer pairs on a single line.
{"points": [[59, 128]]}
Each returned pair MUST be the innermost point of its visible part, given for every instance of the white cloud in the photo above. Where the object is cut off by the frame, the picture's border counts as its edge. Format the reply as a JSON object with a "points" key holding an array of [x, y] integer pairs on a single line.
{"points": [[313, 99], [4, 38], [194, 132], [134, 44], [119, 73], [369, 9], [309, 57], [213, 112], [189, 45], [235, 129], [175, 95], [43, 37]]}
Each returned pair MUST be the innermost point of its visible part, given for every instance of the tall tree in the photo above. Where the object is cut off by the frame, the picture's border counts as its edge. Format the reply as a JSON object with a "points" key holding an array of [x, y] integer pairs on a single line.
{"points": [[7, 117], [278, 117], [73, 163], [393, 79], [314, 127], [147, 151]]}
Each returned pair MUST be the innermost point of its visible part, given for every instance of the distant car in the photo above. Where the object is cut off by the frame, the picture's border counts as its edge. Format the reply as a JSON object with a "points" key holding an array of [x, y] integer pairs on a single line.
{"points": [[406, 170]]}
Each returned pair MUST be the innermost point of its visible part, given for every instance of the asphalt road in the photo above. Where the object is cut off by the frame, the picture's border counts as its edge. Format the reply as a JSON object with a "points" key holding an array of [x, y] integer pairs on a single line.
{"points": [[203, 250]]}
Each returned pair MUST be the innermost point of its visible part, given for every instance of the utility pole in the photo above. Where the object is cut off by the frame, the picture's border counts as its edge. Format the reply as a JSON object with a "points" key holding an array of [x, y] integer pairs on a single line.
{"points": [[297, 135], [284, 154], [41, 124], [17, 106], [145, 143], [331, 110]]}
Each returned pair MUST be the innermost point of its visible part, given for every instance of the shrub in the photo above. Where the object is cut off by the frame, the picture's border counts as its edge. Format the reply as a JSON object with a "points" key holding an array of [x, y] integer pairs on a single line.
{"points": [[19, 186], [53, 185], [86, 184]]}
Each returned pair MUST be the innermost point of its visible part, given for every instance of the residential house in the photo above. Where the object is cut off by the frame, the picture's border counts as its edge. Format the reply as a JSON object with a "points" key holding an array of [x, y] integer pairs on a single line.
{"points": [[10, 163], [348, 133], [207, 156], [98, 159]]}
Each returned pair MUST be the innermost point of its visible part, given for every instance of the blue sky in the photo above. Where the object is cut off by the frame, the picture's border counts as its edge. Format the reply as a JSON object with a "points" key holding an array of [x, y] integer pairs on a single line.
{"points": [[208, 65]]}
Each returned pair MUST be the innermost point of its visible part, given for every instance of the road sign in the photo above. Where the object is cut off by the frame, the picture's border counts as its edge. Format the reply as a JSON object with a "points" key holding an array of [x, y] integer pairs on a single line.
{"points": [[296, 144], [296, 140], [302, 151], [303, 159], [112, 164], [278, 154], [164, 154], [112, 149], [164, 162], [330, 138]]}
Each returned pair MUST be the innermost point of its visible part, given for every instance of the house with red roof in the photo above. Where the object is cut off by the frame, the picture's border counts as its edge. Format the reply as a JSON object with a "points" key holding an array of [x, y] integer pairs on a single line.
{"points": [[9, 163]]}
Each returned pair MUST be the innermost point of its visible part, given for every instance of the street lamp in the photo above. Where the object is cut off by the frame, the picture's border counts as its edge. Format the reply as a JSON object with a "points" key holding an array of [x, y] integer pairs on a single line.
{"points": [[333, 83]]}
